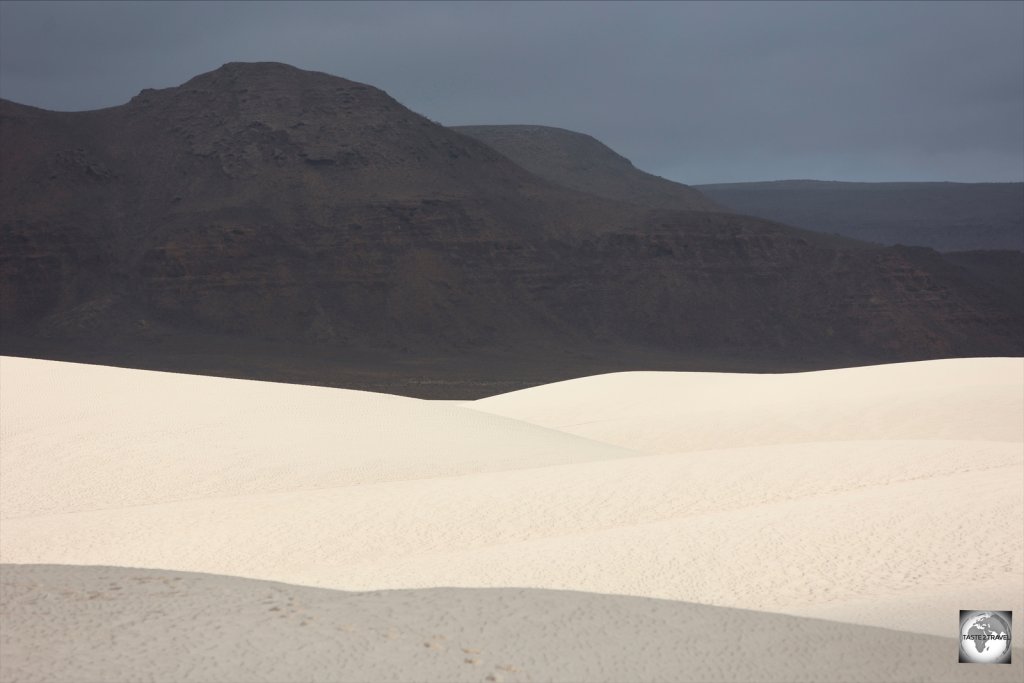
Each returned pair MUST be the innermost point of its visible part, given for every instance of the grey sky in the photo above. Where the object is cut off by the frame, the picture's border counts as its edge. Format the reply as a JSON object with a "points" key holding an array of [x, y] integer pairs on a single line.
{"points": [[696, 92]]}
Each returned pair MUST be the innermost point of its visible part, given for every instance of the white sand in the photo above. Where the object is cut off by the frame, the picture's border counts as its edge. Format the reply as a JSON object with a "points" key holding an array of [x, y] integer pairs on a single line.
{"points": [[87, 437], [676, 412], [886, 496]]}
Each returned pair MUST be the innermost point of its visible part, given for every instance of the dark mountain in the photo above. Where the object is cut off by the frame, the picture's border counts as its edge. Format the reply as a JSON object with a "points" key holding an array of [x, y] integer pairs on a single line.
{"points": [[580, 162], [1002, 270], [263, 221], [943, 216]]}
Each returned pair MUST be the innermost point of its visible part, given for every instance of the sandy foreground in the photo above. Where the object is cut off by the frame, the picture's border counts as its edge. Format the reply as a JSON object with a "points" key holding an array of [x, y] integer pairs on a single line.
{"points": [[215, 628], [572, 526]]}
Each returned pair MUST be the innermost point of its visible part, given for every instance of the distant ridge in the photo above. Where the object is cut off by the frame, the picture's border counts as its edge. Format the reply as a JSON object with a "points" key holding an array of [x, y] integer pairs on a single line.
{"points": [[942, 215], [581, 162]]}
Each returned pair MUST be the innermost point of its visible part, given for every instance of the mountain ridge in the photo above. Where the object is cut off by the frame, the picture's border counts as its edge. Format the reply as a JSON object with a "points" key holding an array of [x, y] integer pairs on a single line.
{"points": [[293, 214], [581, 162], [948, 216]]}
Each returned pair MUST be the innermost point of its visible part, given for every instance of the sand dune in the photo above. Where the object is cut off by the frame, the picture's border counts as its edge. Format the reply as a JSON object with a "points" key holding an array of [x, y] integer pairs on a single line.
{"points": [[661, 526], [85, 437], [883, 496], [674, 412], [179, 627]]}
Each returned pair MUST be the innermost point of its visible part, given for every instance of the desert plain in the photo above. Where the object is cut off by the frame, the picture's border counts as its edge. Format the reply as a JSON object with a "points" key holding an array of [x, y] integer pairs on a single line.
{"points": [[635, 526]]}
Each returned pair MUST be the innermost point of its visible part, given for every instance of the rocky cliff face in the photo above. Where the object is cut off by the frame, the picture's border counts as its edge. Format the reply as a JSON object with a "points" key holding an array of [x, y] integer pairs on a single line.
{"points": [[263, 202]]}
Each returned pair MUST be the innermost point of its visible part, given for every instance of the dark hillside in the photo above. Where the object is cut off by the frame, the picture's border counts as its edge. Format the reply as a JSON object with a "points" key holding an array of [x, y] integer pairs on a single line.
{"points": [[265, 221], [580, 162]]}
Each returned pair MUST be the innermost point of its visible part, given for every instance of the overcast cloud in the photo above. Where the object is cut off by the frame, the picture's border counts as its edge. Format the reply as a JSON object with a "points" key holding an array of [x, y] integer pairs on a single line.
{"points": [[696, 92]]}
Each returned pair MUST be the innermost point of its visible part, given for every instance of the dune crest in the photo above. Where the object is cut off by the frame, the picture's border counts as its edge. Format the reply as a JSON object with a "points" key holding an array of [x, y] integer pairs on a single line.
{"points": [[672, 412], [86, 437]]}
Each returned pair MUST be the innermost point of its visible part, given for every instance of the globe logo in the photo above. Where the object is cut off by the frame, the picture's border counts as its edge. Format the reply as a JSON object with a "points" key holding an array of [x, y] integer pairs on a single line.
{"points": [[985, 637]]}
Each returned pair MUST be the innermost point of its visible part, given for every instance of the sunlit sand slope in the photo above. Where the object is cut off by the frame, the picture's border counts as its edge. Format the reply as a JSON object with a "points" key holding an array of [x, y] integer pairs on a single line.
{"points": [[886, 526], [827, 526], [176, 627], [672, 412], [85, 437]]}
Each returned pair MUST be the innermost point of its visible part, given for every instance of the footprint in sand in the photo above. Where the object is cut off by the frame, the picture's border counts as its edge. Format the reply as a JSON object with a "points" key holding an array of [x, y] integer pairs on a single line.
{"points": [[435, 643]]}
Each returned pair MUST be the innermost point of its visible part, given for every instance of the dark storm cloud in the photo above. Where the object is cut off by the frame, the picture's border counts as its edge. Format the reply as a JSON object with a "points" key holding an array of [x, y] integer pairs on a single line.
{"points": [[697, 92]]}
